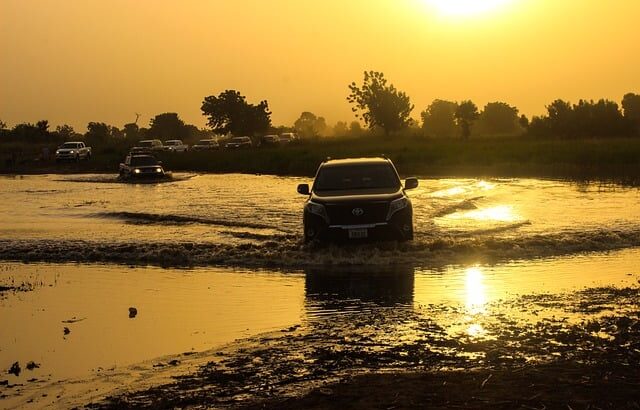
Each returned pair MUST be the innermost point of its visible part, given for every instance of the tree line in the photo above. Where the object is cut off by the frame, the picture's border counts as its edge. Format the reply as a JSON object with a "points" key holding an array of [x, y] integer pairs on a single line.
{"points": [[375, 102]]}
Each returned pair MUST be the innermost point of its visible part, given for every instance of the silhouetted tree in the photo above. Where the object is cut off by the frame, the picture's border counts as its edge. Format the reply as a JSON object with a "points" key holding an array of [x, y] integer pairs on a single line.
{"points": [[340, 129], [230, 113], [131, 131], [167, 126], [381, 104], [26, 132], [631, 111], [438, 119], [3, 125], [308, 125], [97, 132], [66, 132], [466, 114], [498, 118], [524, 122], [355, 129]]}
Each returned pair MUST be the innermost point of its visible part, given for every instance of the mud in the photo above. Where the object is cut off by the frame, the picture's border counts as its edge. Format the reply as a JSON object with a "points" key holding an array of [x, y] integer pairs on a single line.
{"points": [[594, 341]]}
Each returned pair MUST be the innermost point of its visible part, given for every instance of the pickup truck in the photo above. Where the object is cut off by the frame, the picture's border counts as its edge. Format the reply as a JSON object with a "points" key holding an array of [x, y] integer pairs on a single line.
{"points": [[73, 151], [175, 146], [141, 167]]}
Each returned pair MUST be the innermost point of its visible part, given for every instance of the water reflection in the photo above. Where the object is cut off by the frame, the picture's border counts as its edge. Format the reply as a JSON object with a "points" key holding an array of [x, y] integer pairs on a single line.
{"points": [[338, 291], [475, 301]]}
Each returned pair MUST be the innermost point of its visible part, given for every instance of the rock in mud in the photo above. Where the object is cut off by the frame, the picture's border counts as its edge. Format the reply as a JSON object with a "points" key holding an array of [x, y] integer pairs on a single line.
{"points": [[132, 312], [15, 369], [33, 365]]}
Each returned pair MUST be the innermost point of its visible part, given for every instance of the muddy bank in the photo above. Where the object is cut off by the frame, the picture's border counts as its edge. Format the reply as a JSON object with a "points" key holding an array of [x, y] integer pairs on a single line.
{"points": [[578, 347], [288, 250]]}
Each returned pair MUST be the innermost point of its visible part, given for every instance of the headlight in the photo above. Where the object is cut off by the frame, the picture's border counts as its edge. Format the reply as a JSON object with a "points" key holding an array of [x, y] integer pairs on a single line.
{"points": [[317, 209], [136, 171], [57, 151], [72, 152], [158, 169], [397, 205]]}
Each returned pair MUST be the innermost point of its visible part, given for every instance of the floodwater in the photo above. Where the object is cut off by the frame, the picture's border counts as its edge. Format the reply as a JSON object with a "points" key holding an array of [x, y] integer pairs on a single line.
{"points": [[209, 259]]}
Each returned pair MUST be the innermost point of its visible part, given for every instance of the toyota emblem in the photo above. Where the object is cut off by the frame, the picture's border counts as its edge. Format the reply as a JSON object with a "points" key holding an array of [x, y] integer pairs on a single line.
{"points": [[357, 211]]}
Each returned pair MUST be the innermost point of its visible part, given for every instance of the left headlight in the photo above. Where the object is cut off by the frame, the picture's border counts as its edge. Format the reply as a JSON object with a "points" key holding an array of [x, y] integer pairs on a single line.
{"points": [[317, 209], [397, 205], [136, 171], [72, 152], [158, 169]]}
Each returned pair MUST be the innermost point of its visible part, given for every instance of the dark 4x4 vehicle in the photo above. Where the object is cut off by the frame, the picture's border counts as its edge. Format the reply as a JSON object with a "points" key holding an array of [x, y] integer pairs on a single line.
{"points": [[359, 198]]}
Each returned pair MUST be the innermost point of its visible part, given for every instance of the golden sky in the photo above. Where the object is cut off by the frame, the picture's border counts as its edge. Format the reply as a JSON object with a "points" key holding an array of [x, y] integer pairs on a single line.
{"points": [[75, 61]]}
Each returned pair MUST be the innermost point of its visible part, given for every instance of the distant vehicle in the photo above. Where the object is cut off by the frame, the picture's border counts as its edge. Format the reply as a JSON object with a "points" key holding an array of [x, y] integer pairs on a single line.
{"points": [[73, 151], [288, 137], [239, 142], [148, 146], [141, 167], [206, 145], [269, 140], [175, 146], [355, 199]]}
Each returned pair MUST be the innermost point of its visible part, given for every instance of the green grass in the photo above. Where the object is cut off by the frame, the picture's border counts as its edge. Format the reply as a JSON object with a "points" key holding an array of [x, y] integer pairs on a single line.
{"points": [[583, 159]]}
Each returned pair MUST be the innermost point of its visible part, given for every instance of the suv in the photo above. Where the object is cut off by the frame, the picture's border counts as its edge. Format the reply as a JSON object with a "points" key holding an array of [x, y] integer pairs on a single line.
{"points": [[175, 146], [141, 166], [360, 198]]}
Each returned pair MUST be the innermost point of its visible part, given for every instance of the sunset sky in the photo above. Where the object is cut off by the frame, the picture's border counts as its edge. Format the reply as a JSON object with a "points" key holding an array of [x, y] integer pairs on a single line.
{"points": [[75, 61]]}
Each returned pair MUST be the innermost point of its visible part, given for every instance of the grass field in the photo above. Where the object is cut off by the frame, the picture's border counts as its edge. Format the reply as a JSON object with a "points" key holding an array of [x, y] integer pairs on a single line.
{"points": [[615, 159]]}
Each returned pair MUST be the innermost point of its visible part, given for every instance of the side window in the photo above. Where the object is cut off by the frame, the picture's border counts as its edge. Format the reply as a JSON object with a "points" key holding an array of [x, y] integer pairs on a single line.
{"points": [[127, 160]]}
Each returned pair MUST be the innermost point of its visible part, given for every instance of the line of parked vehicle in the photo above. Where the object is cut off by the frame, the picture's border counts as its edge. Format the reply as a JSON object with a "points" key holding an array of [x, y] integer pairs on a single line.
{"points": [[155, 145]]}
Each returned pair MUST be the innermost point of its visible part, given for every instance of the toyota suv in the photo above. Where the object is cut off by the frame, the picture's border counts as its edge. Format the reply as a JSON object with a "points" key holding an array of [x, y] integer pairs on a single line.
{"points": [[356, 199]]}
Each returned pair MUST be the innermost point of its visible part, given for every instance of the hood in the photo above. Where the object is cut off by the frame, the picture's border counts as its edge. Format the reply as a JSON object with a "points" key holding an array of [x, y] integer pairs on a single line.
{"points": [[356, 195]]}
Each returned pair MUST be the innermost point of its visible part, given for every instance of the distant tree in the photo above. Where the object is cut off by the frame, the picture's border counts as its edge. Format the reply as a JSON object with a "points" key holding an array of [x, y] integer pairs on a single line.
{"points": [[466, 114], [97, 132], [340, 129], [438, 119], [524, 122], [355, 129], [66, 132], [26, 132], [498, 118], [131, 131], [631, 110], [43, 126], [3, 125], [381, 104], [309, 125], [230, 113], [167, 126], [559, 114]]}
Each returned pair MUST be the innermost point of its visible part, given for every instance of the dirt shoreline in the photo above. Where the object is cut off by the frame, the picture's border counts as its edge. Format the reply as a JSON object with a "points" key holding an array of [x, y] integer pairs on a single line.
{"points": [[582, 353]]}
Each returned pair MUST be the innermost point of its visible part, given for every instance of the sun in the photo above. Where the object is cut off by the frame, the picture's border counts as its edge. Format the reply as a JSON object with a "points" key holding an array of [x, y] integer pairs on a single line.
{"points": [[465, 8]]}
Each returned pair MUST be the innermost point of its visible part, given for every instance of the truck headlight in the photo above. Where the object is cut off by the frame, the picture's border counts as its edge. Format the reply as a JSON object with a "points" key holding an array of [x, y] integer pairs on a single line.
{"points": [[72, 152], [397, 205], [136, 171], [317, 209], [158, 170]]}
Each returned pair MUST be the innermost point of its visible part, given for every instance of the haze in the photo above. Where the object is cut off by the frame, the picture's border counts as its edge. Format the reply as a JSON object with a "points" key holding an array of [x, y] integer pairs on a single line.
{"points": [[78, 61]]}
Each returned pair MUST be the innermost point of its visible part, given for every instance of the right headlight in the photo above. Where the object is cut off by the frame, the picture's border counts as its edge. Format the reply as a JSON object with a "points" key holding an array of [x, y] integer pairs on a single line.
{"points": [[136, 171], [317, 209], [397, 205]]}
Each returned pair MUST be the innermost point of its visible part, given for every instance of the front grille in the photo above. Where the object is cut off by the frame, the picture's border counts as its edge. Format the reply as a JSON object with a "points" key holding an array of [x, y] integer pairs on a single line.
{"points": [[342, 214]]}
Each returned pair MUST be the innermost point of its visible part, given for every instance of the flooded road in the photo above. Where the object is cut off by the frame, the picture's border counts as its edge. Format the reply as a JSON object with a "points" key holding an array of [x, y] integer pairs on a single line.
{"points": [[209, 259]]}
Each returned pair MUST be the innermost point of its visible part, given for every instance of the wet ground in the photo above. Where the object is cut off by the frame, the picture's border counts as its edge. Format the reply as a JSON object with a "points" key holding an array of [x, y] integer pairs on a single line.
{"points": [[503, 275]]}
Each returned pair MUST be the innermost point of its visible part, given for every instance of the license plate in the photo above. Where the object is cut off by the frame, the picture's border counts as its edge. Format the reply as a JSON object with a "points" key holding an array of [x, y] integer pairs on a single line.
{"points": [[357, 233]]}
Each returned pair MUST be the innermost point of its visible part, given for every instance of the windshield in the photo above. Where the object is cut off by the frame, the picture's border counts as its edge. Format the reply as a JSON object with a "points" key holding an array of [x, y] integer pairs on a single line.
{"points": [[172, 143], [143, 161], [357, 176], [239, 139], [145, 144], [70, 145]]}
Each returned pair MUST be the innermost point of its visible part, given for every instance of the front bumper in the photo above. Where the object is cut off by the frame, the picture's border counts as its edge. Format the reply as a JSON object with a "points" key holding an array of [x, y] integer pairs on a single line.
{"points": [[398, 227]]}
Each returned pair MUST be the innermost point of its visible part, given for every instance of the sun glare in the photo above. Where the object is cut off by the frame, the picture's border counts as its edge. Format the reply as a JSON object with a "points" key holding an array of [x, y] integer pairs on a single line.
{"points": [[466, 7]]}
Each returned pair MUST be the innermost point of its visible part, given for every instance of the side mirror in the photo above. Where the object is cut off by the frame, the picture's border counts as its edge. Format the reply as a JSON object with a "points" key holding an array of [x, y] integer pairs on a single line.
{"points": [[303, 189], [410, 183]]}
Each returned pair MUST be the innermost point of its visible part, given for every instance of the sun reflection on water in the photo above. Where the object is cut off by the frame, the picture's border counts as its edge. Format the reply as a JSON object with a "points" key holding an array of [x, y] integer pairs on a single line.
{"points": [[476, 299], [501, 213]]}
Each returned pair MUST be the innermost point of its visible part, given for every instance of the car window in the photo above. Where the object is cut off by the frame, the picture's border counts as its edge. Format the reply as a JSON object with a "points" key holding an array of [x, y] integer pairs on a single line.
{"points": [[143, 161], [70, 145], [347, 177]]}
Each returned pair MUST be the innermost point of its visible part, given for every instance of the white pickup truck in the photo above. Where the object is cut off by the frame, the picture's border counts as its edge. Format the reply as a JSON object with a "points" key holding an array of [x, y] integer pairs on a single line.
{"points": [[73, 151]]}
